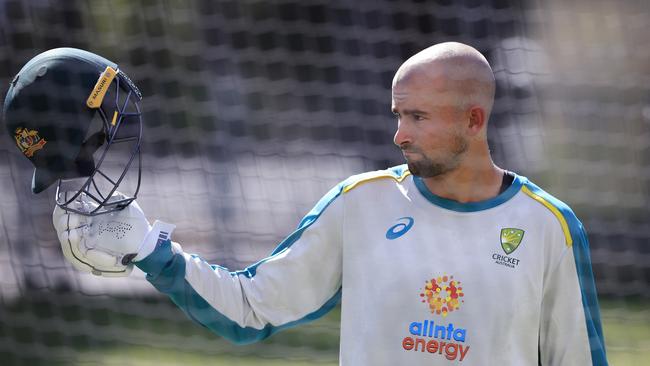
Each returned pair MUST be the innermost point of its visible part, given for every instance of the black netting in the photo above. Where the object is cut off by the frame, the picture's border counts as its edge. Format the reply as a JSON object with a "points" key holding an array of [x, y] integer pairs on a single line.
{"points": [[254, 109]]}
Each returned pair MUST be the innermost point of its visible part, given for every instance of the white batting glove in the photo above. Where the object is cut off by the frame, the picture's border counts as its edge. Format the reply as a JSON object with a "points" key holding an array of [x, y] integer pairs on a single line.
{"points": [[106, 244]]}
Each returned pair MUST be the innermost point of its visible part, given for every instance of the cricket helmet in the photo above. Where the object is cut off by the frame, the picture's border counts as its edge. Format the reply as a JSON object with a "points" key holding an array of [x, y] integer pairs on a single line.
{"points": [[65, 110]]}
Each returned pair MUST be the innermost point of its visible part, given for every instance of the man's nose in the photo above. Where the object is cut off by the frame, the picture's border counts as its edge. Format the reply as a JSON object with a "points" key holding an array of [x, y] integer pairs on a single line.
{"points": [[401, 135]]}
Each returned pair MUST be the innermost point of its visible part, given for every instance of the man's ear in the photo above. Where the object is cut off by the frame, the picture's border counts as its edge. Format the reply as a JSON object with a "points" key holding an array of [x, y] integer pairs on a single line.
{"points": [[477, 119]]}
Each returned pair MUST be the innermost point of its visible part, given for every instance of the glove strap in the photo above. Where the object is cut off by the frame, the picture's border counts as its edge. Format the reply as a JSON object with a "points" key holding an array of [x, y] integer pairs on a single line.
{"points": [[159, 233]]}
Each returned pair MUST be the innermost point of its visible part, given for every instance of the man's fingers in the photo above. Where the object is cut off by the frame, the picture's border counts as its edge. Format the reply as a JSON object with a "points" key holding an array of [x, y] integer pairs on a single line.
{"points": [[76, 221], [64, 220], [71, 237], [70, 244]]}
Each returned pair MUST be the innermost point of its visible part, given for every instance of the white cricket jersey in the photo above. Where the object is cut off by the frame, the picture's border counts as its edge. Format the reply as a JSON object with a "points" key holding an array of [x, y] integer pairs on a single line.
{"points": [[422, 280]]}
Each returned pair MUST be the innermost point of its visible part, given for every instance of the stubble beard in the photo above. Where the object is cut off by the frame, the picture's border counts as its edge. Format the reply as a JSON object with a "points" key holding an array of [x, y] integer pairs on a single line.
{"points": [[426, 167]]}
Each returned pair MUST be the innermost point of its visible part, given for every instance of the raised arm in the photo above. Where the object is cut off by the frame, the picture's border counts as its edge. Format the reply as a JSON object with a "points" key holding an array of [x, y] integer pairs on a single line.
{"points": [[298, 282]]}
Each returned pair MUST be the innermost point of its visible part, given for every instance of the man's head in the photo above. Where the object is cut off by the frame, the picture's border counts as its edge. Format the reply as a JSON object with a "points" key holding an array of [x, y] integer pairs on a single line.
{"points": [[442, 97]]}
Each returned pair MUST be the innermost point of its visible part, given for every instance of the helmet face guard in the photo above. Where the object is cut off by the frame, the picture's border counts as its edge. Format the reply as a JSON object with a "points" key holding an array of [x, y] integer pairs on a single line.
{"points": [[121, 120], [76, 116]]}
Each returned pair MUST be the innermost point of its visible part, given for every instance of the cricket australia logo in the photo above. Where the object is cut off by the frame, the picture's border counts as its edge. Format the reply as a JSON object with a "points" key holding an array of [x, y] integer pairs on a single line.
{"points": [[28, 141], [510, 240]]}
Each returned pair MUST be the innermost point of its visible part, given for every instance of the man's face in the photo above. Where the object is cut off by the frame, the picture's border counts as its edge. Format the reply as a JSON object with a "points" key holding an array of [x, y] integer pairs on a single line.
{"points": [[430, 128]]}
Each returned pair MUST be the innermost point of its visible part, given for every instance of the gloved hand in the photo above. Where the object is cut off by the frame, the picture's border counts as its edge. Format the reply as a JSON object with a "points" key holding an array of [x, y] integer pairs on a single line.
{"points": [[106, 244]]}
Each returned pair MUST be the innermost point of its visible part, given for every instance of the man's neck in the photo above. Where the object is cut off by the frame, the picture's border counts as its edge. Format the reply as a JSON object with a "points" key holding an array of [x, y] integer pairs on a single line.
{"points": [[467, 184]]}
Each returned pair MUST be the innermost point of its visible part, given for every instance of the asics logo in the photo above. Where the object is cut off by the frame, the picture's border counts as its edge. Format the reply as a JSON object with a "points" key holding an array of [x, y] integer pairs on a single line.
{"points": [[400, 228]]}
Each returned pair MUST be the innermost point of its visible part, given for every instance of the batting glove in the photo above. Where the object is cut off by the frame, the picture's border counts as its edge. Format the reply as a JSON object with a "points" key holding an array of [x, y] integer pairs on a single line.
{"points": [[106, 244]]}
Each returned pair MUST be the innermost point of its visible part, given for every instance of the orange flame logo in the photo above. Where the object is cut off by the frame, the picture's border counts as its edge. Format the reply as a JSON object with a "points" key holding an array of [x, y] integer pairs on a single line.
{"points": [[443, 295]]}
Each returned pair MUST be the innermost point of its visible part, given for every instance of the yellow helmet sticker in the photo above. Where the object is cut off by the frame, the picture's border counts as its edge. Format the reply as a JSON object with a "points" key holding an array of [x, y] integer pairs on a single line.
{"points": [[99, 91]]}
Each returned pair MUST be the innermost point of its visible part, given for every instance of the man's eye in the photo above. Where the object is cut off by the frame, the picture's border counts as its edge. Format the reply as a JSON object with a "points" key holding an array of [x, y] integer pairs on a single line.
{"points": [[417, 117]]}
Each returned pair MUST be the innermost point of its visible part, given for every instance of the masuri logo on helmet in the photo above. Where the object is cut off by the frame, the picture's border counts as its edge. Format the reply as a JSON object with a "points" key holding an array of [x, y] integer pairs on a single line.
{"points": [[99, 91]]}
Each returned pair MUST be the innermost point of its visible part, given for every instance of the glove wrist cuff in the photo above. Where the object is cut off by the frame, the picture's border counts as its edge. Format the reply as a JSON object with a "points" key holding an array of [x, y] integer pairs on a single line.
{"points": [[160, 232]]}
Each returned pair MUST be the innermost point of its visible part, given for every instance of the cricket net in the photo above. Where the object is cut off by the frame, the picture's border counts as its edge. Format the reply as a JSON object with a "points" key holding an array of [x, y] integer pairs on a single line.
{"points": [[254, 109]]}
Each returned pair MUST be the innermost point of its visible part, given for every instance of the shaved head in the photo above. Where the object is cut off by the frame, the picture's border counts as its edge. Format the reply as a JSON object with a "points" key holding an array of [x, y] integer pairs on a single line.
{"points": [[442, 97], [460, 73]]}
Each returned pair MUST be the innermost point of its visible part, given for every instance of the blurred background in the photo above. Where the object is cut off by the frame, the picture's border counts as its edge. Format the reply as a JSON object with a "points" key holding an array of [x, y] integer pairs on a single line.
{"points": [[254, 109]]}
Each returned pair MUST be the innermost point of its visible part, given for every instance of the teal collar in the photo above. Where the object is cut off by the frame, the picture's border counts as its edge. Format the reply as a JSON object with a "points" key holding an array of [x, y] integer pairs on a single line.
{"points": [[470, 206]]}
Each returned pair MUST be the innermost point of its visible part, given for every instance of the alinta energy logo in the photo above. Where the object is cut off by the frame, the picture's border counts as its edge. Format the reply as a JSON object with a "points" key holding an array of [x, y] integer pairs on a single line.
{"points": [[443, 295]]}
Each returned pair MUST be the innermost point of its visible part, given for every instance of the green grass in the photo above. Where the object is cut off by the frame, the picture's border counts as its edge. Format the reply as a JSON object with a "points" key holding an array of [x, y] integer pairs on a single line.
{"points": [[88, 331], [146, 357], [185, 343], [105, 331], [626, 326]]}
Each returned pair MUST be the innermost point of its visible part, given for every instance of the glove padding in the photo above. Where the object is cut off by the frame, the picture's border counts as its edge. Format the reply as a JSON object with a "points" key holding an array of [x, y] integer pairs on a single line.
{"points": [[106, 244]]}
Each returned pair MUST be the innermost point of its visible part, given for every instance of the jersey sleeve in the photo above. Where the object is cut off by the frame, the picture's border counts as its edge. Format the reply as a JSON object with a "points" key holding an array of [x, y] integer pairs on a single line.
{"points": [[570, 328], [300, 281]]}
